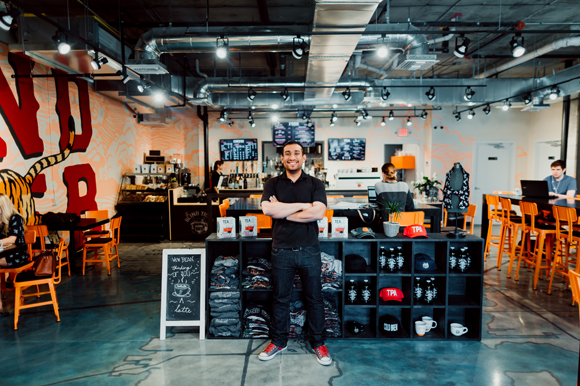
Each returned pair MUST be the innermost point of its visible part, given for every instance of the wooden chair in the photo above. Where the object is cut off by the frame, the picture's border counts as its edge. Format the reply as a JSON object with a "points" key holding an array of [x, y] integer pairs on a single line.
{"points": [[543, 234], [574, 278], [29, 239], [255, 196], [409, 218], [264, 222], [28, 279], [494, 214], [565, 235], [98, 231], [107, 244], [41, 245], [470, 214], [511, 227], [224, 207]]}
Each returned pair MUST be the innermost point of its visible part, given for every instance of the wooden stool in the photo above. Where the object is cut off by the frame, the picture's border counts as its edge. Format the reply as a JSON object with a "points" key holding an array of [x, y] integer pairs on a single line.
{"points": [[511, 227], [565, 235], [493, 214]]}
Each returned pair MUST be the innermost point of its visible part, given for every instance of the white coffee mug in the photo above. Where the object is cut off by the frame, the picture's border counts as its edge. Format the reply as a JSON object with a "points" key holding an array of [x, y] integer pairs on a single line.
{"points": [[429, 323], [458, 329], [518, 191], [420, 327]]}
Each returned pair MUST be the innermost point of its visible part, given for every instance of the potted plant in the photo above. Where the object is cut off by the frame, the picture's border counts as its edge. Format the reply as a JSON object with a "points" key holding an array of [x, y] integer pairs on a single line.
{"points": [[391, 212], [427, 186], [174, 182]]}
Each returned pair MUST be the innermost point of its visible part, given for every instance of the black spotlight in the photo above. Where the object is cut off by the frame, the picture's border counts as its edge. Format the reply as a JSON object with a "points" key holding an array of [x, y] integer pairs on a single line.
{"points": [[424, 114], [487, 109], [285, 94], [527, 99], [471, 114], [461, 48], [223, 116], [458, 117], [469, 93], [346, 94], [517, 45], [391, 115], [6, 18], [385, 94], [97, 62], [251, 94], [431, 94], [298, 47]]}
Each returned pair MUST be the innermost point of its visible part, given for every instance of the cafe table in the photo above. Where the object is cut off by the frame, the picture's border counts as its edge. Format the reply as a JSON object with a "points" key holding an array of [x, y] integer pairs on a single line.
{"points": [[252, 205], [81, 225]]}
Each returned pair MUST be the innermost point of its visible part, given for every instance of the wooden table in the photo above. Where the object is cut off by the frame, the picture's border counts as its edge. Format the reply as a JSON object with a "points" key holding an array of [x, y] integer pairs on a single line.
{"points": [[252, 205], [82, 224]]}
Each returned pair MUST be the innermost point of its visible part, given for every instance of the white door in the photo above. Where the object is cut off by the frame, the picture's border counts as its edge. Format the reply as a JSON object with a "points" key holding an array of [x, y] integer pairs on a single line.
{"points": [[494, 167], [546, 153]]}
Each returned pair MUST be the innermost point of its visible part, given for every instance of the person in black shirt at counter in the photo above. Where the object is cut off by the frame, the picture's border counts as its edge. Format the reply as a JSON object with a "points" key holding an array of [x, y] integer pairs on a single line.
{"points": [[295, 201], [559, 184], [218, 166]]}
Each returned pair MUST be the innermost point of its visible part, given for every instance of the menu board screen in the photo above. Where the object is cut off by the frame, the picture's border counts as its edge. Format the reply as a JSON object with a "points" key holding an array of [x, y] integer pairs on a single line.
{"points": [[239, 149], [346, 149], [293, 131]]}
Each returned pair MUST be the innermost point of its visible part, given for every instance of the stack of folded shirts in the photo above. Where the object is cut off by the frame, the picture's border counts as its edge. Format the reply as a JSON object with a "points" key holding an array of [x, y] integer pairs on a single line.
{"points": [[332, 326], [297, 319], [225, 312], [225, 273], [257, 274], [331, 272], [256, 322]]}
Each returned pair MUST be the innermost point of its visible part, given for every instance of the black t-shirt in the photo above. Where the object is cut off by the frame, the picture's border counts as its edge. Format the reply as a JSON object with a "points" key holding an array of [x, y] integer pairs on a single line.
{"points": [[290, 234], [215, 178]]}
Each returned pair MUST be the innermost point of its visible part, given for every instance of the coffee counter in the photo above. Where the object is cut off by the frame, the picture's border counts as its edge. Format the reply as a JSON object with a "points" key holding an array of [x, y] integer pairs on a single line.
{"points": [[189, 219]]}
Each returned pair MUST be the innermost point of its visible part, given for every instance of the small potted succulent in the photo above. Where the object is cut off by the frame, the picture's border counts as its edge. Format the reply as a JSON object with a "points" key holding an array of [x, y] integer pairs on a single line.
{"points": [[391, 212], [428, 187], [174, 183]]}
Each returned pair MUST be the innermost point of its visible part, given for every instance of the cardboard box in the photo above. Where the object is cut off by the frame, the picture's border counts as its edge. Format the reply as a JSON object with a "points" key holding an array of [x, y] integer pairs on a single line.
{"points": [[323, 228], [226, 228], [248, 226], [153, 168], [339, 227], [161, 168], [137, 168], [145, 168], [169, 169]]}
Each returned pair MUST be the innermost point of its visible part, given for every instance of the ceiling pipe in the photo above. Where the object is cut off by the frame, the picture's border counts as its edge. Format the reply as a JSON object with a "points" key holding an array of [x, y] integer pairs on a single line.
{"points": [[555, 45], [197, 69]]}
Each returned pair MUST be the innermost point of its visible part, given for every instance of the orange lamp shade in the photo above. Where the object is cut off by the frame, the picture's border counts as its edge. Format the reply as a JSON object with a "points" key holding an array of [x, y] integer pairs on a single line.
{"points": [[403, 162]]}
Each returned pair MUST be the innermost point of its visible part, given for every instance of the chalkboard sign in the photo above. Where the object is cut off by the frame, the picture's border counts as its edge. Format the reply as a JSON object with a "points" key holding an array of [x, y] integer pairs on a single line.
{"points": [[346, 149], [239, 149], [183, 289], [293, 131]]}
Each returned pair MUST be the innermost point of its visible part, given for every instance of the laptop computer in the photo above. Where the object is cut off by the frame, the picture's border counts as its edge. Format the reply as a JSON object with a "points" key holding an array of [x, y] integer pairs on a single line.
{"points": [[372, 193], [534, 188]]}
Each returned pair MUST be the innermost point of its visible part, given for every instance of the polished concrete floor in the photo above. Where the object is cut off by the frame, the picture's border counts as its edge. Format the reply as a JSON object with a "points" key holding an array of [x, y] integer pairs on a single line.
{"points": [[109, 335]]}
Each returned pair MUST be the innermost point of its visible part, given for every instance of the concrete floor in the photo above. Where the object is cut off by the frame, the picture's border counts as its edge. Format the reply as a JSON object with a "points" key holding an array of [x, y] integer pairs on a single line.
{"points": [[110, 328]]}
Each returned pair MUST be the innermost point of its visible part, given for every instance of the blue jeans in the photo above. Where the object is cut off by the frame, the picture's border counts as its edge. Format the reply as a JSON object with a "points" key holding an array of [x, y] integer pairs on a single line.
{"points": [[285, 262]]}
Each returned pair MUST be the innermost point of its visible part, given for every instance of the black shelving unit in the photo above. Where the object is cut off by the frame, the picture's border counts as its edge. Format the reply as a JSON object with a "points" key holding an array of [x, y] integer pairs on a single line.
{"points": [[460, 295]]}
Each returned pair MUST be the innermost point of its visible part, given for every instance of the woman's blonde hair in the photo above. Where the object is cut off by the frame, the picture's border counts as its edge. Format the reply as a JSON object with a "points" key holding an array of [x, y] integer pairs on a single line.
{"points": [[8, 209], [390, 171]]}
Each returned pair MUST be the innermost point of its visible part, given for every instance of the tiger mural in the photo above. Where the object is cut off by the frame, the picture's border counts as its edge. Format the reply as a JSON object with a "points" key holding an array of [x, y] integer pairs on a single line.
{"points": [[18, 188]]}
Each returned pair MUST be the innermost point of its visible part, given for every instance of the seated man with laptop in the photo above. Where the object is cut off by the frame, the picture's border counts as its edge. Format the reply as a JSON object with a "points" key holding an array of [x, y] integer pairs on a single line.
{"points": [[559, 184]]}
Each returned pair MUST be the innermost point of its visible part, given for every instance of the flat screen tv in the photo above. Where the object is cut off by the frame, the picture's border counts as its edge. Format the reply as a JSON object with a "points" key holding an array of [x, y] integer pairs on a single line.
{"points": [[300, 132], [346, 149], [245, 149]]}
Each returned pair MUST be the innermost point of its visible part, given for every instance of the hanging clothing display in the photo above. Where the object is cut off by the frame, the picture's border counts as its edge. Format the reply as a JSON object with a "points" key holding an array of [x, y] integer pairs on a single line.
{"points": [[462, 193]]}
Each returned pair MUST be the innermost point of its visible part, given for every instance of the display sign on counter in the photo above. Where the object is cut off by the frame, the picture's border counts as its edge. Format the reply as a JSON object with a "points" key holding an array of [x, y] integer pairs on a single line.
{"points": [[300, 132], [346, 149], [183, 289], [239, 149]]}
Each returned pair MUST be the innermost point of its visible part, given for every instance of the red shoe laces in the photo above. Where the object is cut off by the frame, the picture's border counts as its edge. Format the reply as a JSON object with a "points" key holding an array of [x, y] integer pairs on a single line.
{"points": [[270, 347], [322, 351]]}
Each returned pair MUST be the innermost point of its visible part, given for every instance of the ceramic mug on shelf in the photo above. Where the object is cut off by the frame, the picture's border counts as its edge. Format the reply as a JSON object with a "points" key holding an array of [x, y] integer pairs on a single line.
{"points": [[429, 323], [420, 327], [458, 329]]}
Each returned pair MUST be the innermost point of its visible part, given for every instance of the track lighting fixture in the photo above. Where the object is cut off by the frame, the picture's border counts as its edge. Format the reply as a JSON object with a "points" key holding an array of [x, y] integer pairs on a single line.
{"points": [[97, 62], [334, 117], [506, 105], [275, 106], [6, 18], [487, 109], [223, 116], [346, 94], [382, 49], [554, 93], [424, 114], [359, 117], [391, 115], [461, 49], [517, 45], [251, 120], [231, 123], [158, 96], [124, 77], [308, 123], [331, 122], [383, 122], [142, 86], [366, 115], [221, 47], [409, 122], [357, 122], [527, 99], [471, 114], [274, 118], [304, 116], [61, 41], [457, 116], [385, 94], [285, 95], [431, 94], [251, 94], [298, 47], [469, 93]]}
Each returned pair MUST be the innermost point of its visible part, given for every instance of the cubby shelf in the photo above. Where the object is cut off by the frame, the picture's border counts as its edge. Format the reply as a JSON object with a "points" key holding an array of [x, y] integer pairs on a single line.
{"points": [[460, 295]]}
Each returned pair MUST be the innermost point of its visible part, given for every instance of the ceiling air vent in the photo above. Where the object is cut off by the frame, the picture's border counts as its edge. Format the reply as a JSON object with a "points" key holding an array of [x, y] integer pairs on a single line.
{"points": [[147, 67], [152, 119], [417, 62]]}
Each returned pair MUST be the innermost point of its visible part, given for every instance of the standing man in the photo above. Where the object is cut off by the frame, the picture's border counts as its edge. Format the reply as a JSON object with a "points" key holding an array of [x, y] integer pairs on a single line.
{"points": [[295, 201], [559, 184]]}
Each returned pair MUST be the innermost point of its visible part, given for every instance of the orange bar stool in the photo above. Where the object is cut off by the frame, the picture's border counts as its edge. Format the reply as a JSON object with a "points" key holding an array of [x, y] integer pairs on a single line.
{"points": [[107, 244], [328, 214], [409, 218], [512, 226], [29, 279], [264, 222], [224, 207], [544, 235], [494, 214], [565, 235], [255, 196]]}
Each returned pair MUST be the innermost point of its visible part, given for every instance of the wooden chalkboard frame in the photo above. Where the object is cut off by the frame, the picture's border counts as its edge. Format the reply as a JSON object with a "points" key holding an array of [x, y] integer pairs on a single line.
{"points": [[164, 323]]}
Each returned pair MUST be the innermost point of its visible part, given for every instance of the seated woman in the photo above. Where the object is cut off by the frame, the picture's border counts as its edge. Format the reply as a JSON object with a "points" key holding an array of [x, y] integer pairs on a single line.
{"points": [[12, 230], [391, 190]]}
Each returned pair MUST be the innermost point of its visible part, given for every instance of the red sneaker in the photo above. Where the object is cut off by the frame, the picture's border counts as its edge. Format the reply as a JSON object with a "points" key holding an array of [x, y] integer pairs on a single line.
{"points": [[270, 352], [322, 355]]}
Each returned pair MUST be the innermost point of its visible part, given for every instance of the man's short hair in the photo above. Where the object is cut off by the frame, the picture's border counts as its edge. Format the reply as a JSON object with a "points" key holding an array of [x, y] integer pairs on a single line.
{"points": [[561, 163], [293, 143]]}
